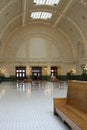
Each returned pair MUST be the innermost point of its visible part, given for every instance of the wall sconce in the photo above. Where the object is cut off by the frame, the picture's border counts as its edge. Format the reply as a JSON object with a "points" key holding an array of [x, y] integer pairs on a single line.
{"points": [[73, 71], [45, 68]]}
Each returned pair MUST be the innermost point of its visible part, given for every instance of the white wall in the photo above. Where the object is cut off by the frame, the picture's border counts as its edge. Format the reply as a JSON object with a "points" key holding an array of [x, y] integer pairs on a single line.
{"points": [[38, 45]]}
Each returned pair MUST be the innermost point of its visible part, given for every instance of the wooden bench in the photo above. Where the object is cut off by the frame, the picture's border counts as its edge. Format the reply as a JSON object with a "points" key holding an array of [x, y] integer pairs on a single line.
{"points": [[73, 109]]}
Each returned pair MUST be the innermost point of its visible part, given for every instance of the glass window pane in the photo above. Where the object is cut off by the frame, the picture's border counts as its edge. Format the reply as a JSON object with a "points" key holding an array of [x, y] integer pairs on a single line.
{"points": [[23, 70], [17, 74], [23, 74], [20, 75]]}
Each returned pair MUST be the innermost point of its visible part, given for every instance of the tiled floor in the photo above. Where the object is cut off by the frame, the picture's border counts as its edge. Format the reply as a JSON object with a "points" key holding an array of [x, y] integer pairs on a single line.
{"points": [[26, 107]]}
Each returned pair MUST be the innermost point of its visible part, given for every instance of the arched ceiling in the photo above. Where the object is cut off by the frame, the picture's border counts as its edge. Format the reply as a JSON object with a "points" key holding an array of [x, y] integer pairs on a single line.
{"points": [[50, 36], [69, 16]]}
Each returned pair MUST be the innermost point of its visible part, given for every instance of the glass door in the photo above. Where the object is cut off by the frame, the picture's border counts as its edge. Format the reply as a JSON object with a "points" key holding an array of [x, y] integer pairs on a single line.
{"points": [[53, 72], [20, 72], [36, 73]]}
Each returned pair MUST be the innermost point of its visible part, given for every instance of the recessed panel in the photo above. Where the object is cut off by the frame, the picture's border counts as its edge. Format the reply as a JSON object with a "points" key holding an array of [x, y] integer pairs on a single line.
{"points": [[38, 48]]}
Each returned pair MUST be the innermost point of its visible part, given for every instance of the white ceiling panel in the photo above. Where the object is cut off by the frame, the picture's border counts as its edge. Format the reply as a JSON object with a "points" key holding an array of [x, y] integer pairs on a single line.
{"points": [[20, 12], [70, 30], [78, 13], [3, 3], [10, 13]]}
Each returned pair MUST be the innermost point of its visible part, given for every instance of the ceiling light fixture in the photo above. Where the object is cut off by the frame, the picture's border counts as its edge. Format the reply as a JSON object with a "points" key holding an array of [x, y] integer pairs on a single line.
{"points": [[41, 15], [46, 2]]}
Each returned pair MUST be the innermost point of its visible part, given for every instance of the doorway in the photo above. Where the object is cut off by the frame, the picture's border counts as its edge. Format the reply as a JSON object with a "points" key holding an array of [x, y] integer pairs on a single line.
{"points": [[53, 71], [20, 72], [36, 73]]}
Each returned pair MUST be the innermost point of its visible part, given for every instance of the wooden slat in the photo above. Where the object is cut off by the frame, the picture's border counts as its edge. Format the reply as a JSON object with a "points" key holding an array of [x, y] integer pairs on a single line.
{"points": [[73, 109], [77, 94]]}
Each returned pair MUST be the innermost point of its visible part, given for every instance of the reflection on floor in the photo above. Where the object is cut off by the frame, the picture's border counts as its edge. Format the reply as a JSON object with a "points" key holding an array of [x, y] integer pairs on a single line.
{"points": [[30, 107]]}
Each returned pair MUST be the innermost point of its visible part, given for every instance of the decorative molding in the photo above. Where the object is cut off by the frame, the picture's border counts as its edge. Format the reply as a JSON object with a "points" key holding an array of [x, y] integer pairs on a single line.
{"points": [[42, 61], [63, 12]]}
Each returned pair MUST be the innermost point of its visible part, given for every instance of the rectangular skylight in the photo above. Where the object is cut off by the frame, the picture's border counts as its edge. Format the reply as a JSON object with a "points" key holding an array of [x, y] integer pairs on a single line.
{"points": [[41, 15], [46, 2]]}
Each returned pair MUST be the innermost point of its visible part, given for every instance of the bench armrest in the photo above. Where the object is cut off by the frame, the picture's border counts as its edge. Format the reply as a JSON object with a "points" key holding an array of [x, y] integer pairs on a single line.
{"points": [[59, 102]]}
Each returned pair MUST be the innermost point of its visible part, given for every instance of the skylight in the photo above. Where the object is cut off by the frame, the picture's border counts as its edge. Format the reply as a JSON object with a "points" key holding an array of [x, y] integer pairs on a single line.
{"points": [[46, 2], [41, 15]]}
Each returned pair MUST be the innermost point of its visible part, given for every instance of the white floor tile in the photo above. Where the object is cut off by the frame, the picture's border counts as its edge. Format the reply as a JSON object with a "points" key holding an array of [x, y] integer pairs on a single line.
{"points": [[26, 107]]}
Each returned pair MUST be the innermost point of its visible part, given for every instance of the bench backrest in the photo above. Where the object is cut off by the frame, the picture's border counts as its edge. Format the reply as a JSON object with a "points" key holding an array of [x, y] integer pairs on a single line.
{"points": [[77, 94]]}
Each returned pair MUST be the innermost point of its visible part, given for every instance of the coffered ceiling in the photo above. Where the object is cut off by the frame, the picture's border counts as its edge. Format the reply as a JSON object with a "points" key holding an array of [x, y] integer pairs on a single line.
{"points": [[70, 16]]}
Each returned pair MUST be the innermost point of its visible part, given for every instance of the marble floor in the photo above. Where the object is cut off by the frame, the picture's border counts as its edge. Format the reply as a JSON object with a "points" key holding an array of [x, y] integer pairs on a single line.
{"points": [[30, 107]]}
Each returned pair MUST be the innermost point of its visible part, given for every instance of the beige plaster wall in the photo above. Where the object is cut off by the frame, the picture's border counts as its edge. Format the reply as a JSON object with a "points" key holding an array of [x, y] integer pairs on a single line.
{"points": [[37, 45]]}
